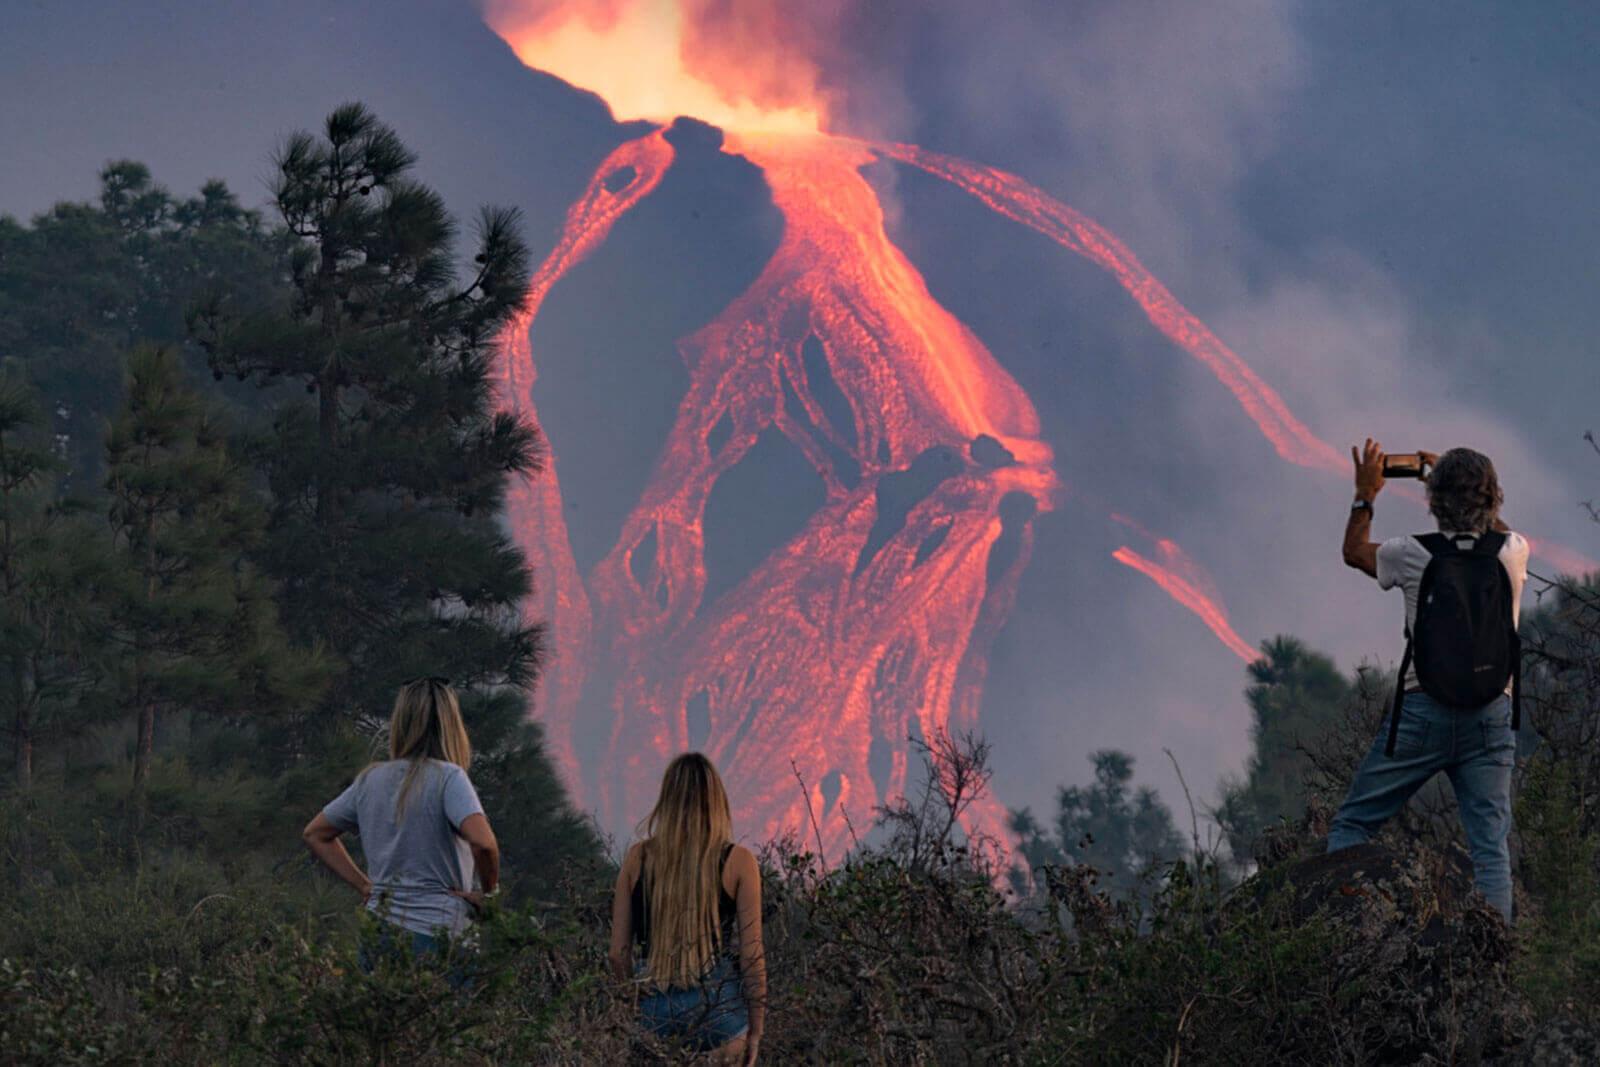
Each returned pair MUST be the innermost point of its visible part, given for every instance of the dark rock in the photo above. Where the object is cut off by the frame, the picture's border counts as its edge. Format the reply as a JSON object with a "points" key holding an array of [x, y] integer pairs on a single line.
{"points": [[987, 451], [1558, 1043], [1424, 963], [898, 492]]}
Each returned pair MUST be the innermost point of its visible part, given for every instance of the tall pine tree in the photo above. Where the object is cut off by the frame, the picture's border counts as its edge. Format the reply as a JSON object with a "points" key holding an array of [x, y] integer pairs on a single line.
{"points": [[388, 475], [194, 625]]}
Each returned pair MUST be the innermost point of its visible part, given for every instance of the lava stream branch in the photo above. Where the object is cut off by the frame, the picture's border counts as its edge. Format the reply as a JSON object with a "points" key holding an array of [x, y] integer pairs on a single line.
{"points": [[1018, 200], [1021, 202], [1186, 581], [1186, 591], [629, 174]]}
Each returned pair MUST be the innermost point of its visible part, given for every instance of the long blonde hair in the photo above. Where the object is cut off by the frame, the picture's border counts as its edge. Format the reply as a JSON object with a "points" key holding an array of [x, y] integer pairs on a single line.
{"points": [[682, 869], [426, 724]]}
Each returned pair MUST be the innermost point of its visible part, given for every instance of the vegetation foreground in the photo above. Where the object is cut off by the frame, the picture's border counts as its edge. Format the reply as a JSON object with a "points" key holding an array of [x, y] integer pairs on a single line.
{"points": [[137, 951]]}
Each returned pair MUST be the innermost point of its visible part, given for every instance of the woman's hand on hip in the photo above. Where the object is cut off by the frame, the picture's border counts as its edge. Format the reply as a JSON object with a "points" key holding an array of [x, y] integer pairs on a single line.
{"points": [[477, 898]]}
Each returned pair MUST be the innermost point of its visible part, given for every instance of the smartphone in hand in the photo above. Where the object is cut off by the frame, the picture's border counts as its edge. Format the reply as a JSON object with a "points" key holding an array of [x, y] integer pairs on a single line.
{"points": [[1404, 465]]}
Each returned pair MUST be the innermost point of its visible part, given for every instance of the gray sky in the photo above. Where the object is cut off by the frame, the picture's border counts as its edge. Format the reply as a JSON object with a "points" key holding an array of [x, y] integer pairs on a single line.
{"points": [[1388, 210]]}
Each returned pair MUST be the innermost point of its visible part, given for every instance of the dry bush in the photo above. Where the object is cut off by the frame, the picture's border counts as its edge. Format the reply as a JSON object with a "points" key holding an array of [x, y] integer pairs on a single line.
{"points": [[907, 952]]}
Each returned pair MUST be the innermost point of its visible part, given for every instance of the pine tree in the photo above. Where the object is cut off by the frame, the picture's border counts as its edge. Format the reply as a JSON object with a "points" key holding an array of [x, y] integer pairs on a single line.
{"points": [[1122, 832], [50, 565], [194, 624], [86, 282], [388, 474], [1296, 695]]}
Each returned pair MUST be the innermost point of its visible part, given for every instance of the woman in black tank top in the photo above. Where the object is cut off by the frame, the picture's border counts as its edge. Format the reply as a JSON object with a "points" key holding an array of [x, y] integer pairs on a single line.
{"points": [[689, 900], [727, 909]]}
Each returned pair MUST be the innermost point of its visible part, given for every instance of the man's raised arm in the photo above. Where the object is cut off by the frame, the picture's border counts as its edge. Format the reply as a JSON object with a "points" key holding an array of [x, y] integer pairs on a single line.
{"points": [[1360, 550]]}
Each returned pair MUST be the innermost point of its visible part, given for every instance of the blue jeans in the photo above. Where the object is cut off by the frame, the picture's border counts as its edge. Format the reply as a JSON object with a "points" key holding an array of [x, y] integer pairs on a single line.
{"points": [[705, 1016], [1476, 748]]}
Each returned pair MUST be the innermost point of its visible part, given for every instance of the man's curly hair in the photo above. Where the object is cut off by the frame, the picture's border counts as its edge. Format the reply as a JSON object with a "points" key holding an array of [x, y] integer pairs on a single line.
{"points": [[1464, 492]]}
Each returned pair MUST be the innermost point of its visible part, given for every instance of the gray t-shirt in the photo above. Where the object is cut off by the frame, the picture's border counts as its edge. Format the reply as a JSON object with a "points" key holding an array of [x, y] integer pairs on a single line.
{"points": [[413, 862]]}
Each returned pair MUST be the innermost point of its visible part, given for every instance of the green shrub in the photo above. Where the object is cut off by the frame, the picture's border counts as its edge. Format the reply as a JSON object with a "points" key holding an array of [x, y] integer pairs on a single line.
{"points": [[1559, 971]]}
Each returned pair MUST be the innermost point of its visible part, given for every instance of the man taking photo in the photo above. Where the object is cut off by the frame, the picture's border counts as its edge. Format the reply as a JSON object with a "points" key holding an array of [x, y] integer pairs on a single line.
{"points": [[1455, 708]]}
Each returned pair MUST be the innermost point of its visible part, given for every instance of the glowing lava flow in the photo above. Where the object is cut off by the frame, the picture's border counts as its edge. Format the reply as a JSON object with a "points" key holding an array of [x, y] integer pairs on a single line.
{"points": [[874, 622], [533, 506], [857, 633], [860, 631], [1186, 590], [1185, 581], [1014, 198]]}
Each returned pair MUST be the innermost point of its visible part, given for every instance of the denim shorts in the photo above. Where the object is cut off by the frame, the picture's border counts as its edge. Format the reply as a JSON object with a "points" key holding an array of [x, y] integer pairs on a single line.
{"points": [[704, 1016]]}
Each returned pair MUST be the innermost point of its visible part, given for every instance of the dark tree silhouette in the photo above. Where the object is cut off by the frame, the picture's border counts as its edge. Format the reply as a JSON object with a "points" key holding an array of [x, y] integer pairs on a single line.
{"points": [[1124, 833], [86, 282], [1296, 696], [50, 567], [191, 623], [388, 474]]}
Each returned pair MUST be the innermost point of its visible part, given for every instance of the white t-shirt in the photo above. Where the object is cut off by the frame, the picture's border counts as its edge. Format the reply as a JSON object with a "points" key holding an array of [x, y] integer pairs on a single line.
{"points": [[1401, 561]]}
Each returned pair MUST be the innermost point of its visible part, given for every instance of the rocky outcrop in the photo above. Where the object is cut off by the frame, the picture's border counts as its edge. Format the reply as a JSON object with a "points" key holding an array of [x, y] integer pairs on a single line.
{"points": [[1422, 963], [1430, 954], [1557, 1043]]}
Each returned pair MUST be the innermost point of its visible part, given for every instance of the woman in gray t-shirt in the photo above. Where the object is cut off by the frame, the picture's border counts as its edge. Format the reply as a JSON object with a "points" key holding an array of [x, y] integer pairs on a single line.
{"points": [[421, 826]]}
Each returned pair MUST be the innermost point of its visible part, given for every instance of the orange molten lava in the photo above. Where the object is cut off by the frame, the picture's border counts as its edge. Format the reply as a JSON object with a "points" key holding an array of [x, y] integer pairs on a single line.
{"points": [[1181, 578], [1021, 202], [1180, 583], [829, 654], [870, 625], [534, 506], [832, 652]]}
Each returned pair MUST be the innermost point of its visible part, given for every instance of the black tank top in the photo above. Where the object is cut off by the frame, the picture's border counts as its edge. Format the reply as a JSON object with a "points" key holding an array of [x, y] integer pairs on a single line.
{"points": [[727, 908]]}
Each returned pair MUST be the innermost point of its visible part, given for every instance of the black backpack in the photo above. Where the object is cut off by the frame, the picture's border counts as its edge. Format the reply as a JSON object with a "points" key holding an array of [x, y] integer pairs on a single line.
{"points": [[1463, 641]]}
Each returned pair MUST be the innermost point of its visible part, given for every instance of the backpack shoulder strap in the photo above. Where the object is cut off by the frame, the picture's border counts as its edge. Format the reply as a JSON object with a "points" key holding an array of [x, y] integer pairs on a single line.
{"points": [[1437, 544], [1490, 544], [1399, 699]]}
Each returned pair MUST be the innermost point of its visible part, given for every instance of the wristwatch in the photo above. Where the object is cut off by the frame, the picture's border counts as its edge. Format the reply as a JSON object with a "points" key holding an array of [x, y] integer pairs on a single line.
{"points": [[1361, 503]]}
